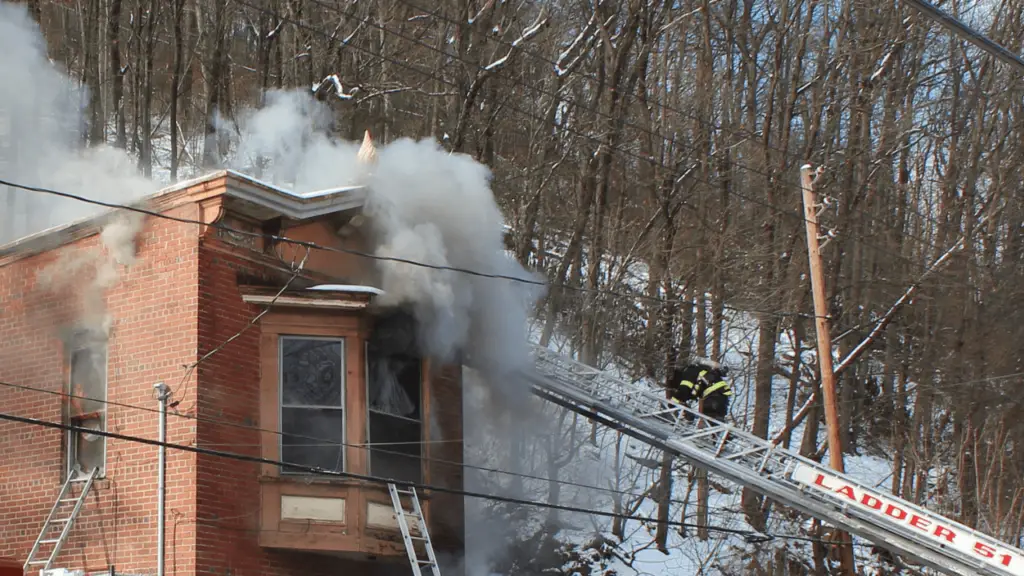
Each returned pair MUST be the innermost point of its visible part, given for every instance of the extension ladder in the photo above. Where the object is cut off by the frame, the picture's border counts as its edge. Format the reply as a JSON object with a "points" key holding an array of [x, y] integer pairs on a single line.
{"points": [[62, 523], [410, 541], [781, 475]]}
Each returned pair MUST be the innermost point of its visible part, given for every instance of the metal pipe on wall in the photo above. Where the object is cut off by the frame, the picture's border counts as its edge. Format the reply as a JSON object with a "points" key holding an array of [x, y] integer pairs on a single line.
{"points": [[163, 395]]}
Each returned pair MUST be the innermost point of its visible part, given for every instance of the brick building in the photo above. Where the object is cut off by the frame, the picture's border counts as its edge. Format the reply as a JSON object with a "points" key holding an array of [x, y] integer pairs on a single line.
{"points": [[88, 331]]}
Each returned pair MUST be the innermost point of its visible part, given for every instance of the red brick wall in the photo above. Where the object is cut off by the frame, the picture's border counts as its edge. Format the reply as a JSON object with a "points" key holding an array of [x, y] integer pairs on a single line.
{"points": [[228, 499], [447, 524], [179, 300], [154, 306]]}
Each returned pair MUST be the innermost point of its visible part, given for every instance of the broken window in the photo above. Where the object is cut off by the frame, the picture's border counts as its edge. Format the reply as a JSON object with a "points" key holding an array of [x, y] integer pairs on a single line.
{"points": [[395, 416], [312, 402], [86, 406]]}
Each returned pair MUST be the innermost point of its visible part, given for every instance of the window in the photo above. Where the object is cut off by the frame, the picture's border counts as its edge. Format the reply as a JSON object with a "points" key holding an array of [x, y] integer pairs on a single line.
{"points": [[312, 402], [86, 406], [395, 416]]}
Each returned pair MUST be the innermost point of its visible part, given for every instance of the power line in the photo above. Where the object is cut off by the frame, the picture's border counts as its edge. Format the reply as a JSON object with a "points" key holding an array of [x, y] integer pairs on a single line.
{"points": [[587, 136], [377, 480], [244, 329], [329, 442], [361, 254], [958, 28]]}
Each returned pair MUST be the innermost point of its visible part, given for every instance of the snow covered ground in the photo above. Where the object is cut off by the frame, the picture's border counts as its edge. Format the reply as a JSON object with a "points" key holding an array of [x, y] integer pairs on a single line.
{"points": [[591, 467]]}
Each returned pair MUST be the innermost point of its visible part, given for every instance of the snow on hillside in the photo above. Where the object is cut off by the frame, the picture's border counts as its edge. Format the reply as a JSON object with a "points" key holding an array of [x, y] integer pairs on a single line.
{"points": [[590, 462]]}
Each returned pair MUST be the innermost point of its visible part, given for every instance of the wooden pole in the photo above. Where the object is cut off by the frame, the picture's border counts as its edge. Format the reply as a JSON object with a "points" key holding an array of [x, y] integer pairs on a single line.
{"points": [[828, 382]]}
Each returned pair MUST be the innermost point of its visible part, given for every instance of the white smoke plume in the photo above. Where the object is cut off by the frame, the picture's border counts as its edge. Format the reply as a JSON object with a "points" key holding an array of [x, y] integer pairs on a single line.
{"points": [[287, 143], [423, 205], [428, 206], [41, 126], [84, 276]]}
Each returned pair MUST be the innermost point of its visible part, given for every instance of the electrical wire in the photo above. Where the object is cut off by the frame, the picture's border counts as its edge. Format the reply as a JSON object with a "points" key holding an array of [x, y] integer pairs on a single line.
{"points": [[372, 446], [328, 442], [958, 28], [367, 255], [377, 480], [580, 289], [529, 115], [252, 322]]}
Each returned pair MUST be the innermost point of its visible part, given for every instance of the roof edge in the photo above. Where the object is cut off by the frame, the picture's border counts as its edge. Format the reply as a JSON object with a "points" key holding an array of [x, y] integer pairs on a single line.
{"points": [[236, 185]]}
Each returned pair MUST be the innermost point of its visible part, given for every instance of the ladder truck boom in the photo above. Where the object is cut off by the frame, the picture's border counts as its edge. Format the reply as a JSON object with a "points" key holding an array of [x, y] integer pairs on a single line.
{"points": [[800, 483]]}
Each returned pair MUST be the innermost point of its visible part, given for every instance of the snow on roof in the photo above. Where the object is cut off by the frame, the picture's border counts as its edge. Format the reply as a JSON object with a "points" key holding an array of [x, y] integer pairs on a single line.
{"points": [[289, 203], [347, 288]]}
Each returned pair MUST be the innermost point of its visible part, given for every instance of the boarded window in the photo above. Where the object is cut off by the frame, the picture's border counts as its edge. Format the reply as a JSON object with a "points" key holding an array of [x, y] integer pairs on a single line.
{"points": [[312, 402], [86, 406], [395, 416]]}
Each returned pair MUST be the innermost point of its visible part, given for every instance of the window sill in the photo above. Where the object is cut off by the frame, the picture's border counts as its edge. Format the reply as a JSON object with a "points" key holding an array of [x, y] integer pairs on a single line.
{"points": [[297, 479], [310, 479], [78, 419]]}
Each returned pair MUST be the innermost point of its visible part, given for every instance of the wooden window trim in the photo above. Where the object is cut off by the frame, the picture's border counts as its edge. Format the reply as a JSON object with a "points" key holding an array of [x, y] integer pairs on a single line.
{"points": [[299, 322], [426, 404], [75, 412], [344, 343]]}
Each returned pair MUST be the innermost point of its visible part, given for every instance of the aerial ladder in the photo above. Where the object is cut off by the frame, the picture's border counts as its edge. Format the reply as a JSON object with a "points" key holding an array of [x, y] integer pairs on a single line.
{"points": [[792, 480]]}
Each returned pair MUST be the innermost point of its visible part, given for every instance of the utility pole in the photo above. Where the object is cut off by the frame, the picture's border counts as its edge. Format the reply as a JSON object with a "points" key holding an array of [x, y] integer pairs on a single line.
{"points": [[163, 394], [828, 380]]}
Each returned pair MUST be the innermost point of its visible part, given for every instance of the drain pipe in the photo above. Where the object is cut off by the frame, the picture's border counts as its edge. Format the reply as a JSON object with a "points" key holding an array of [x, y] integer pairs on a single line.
{"points": [[163, 393]]}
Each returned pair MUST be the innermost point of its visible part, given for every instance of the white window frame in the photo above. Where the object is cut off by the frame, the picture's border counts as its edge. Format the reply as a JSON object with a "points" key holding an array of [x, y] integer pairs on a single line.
{"points": [[71, 436], [284, 470], [369, 438]]}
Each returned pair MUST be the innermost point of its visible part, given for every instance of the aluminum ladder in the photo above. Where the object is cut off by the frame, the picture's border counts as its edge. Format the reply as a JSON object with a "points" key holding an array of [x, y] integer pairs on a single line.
{"points": [[790, 479], [410, 541], [63, 523]]}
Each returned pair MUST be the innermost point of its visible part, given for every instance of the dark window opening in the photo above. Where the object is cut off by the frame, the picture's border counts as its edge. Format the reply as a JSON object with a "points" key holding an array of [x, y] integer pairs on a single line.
{"points": [[312, 403], [86, 407], [395, 416]]}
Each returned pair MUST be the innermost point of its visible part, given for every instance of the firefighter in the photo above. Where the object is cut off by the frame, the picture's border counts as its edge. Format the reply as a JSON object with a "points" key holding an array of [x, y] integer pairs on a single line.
{"points": [[715, 392], [703, 381]]}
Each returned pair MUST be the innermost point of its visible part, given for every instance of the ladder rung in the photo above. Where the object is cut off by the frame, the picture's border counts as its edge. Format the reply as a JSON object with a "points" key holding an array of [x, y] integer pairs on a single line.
{"points": [[61, 520], [34, 562], [69, 500], [406, 492], [49, 541]]}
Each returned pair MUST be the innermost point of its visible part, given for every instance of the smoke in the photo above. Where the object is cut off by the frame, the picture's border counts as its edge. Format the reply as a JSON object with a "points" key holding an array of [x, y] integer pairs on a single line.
{"points": [[41, 128], [287, 143], [41, 144], [84, 276], [424, 205], [436, 208]]}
